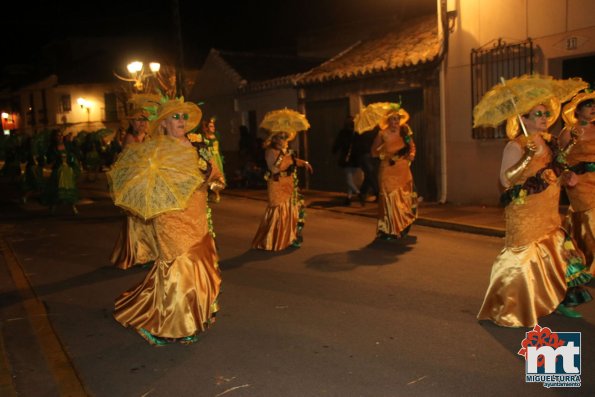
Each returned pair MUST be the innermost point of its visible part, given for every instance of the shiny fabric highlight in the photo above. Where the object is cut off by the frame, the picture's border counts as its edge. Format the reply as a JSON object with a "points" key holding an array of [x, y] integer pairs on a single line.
{"points": [[397, 207], [279, 226], [136, 244], [526, 282], [581, 225]]}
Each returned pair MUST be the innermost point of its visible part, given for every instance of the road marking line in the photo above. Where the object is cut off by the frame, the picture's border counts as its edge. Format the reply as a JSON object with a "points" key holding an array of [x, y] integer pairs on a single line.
{"points": [[62, 369], [7, 387]]}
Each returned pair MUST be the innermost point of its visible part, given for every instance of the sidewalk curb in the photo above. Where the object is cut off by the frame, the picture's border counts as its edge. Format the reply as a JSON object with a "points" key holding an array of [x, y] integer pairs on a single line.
{"points": [[421, 220], [460, 227]]}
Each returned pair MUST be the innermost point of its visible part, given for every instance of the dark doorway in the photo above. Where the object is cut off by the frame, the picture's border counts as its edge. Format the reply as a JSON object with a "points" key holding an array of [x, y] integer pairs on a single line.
{"points": [[412, 101], [326, 120], [583, 67]]}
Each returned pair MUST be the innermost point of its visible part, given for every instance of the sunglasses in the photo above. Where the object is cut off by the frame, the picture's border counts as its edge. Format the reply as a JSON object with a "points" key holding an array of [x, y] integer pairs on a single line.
{"points": [[537, 114], [178, 116]]}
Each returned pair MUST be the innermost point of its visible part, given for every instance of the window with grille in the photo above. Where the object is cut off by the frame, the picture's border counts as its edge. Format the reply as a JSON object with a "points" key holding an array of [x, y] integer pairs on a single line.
{"points": [[489, 63]]}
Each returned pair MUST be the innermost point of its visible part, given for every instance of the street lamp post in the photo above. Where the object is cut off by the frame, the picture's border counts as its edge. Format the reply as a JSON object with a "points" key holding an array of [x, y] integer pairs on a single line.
{"points": [[139, 74]]}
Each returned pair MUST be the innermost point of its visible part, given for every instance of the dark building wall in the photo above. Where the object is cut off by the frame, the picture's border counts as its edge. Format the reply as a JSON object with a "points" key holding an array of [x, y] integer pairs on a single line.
{"points": [[327, 105]]}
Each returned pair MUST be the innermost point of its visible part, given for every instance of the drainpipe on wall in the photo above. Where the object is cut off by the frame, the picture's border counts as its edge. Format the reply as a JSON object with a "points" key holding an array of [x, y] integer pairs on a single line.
{"points": [[301, 104], [444, 30], [443, 173]]}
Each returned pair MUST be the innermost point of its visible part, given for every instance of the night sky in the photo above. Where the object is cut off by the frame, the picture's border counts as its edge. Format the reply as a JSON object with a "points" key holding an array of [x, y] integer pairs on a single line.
{"points": [[228, 25]]}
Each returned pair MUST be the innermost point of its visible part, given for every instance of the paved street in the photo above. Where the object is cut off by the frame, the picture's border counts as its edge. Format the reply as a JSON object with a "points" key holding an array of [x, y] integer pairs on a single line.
{"points": [[342, 316]]}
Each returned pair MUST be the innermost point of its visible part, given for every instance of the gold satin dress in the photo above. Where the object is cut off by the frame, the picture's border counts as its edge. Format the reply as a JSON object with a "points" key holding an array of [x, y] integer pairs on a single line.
{"points": [[136, 243], [528, 278], [397, 205], [283, 218], [178, 297], [581, 217]]}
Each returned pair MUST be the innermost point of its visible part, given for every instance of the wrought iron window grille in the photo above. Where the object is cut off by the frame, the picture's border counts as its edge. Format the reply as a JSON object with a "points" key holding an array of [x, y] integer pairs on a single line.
{"points": [[489, 63]]}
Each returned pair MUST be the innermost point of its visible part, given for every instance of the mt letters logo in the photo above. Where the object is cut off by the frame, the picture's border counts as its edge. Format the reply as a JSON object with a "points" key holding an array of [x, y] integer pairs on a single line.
{"points": [[552, 358]]}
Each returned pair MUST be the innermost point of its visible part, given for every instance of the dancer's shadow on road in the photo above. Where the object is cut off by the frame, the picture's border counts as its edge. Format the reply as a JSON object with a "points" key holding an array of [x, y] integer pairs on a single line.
{"points": [[511, 338], [377, 253], [99, 275], [334, 202], [253, 255]]}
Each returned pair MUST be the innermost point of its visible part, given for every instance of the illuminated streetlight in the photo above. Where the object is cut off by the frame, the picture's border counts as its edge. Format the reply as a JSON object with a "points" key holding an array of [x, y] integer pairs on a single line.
{"points": [[138, 73], [85, 104], [134, 67]]}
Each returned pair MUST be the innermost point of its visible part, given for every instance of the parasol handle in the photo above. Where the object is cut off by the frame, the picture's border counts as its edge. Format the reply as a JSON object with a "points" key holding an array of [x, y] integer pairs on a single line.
{"points": [[518, 115]]}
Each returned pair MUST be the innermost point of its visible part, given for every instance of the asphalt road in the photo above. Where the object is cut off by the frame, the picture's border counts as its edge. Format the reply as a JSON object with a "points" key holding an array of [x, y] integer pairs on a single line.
{"points": [[342, 316]]}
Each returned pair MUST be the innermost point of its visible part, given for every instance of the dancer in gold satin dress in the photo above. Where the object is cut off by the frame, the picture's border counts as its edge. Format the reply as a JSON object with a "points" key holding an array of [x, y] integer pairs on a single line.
{"points": [[577, 142], [397, 204], [540, 270], [178, 298], [283, 219], [136, 244]]}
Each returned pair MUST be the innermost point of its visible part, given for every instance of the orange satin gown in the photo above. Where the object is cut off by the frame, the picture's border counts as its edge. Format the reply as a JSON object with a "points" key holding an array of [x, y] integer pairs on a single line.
{"points": [[581, 218], [279, 227], [136, 243], [178, 297], [528, 280], [397, 205]]}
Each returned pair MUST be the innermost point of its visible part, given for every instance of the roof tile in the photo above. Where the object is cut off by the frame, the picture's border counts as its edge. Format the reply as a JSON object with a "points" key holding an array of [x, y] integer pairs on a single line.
{"points": [[415, 43]]}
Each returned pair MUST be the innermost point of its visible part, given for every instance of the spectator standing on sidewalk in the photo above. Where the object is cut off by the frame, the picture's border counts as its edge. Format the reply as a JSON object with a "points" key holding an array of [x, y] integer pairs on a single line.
{"points": [[368, 164], [344, 145]]}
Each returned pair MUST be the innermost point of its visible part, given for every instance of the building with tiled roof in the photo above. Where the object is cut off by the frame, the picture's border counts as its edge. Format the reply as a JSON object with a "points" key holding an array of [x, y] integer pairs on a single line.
{"points": [[398, 64], [414, 44]]}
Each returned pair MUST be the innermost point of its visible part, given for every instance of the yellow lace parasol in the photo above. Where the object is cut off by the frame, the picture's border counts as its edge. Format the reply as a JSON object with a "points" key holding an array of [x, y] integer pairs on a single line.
{"points": [[517, 96], [155, 177], [376, 114], [285, 120]]}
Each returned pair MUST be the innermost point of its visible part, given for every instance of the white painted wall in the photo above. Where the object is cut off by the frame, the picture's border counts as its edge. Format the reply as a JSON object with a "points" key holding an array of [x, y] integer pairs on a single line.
{"points": [[473, 165], [263, 102], [78, 119]]}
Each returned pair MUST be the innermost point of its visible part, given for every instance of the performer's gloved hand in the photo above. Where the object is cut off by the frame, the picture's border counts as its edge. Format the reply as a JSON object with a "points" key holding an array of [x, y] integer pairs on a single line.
{"points": [[569, 178], [217, 185], [515, 172]]}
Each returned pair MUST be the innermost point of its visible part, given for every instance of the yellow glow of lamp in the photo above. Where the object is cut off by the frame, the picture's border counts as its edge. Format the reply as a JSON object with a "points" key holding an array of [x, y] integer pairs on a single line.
{"points": [[135, 67]]}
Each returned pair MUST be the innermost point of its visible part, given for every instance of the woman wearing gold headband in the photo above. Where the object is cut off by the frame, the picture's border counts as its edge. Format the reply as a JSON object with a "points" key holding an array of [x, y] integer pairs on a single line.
{"points": [[178, 298], [136, 244], [397, 205], [539, 271], [283, 220], [577, 143]]}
